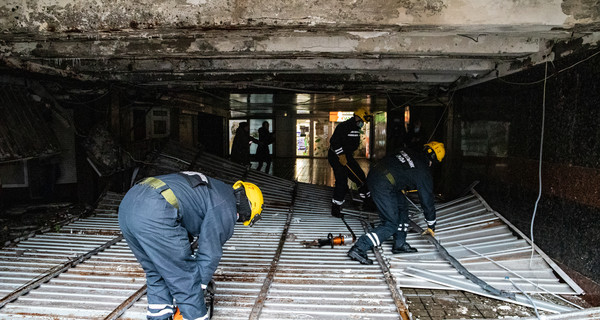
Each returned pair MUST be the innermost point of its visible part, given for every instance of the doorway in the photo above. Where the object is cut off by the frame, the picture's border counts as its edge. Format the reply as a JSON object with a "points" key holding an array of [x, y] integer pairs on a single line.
{"points": [[312, 136]]}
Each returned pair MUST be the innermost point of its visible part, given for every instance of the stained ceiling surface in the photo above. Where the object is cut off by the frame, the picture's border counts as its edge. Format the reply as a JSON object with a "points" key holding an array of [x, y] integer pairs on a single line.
{"points": [[408, 47]]}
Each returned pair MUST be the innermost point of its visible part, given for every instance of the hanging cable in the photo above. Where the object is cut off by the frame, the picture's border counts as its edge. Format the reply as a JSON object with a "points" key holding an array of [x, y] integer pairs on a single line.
{"points": [[441, 116], [537, 314], [546, 77], [520, 276], [539, 165]]}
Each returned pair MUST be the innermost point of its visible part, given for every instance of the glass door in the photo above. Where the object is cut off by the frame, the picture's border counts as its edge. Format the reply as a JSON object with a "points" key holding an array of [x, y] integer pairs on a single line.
{"points": [[303, 138], [322, 130]]}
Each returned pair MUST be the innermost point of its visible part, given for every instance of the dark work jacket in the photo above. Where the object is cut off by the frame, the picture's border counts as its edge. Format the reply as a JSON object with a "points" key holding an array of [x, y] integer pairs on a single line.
{"points": [[345, 138], [410, 170], [240, 149], [264, 139], [207, 211]]}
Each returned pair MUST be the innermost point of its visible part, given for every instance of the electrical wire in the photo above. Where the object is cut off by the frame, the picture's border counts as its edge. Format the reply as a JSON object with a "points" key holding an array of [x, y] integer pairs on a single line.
{"points": [[537, 314], [545, 75], [441, 116], [520, 276], [539, 165]]}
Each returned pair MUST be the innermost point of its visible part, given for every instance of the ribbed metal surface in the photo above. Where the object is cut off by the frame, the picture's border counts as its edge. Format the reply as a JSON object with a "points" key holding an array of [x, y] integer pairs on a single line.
{"points": [[87, 291], [265, 272], [485, 245], [323, 283]]}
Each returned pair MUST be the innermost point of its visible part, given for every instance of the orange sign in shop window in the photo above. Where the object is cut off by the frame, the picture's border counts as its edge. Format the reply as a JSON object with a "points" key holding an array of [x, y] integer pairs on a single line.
{"points": [[339, 116]]}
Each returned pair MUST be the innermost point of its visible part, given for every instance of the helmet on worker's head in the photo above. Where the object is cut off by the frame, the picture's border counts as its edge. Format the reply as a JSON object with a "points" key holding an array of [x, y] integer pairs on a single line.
{"points": [[249, 202], [435, 151], [363, 114]]}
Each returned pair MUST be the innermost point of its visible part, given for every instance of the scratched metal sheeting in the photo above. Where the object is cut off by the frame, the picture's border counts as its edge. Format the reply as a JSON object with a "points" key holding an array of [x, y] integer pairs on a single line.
{"points": [[91, 290], [486, 245], [316, 283], [246, 261], [86, 291], [323, 283]]}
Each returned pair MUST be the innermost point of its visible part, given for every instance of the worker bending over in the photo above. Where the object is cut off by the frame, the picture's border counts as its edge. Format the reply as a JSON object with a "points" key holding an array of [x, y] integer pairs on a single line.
{"points": [[159, 215], [344, 141], [405, 170]]}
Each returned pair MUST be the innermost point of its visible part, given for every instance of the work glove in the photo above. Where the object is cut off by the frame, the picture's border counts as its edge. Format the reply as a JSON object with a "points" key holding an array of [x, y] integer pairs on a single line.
{"points": [[429, 231], [210, 288], [343, 160], [177, 315]]}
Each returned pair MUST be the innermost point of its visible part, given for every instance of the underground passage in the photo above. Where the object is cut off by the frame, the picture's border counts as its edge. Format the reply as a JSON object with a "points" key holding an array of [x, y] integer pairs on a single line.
{"points": [[299, 160]]}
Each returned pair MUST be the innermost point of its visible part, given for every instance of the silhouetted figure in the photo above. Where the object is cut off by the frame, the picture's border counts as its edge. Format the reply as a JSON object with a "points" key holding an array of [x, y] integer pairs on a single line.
{"points": [[240, 149], [265, 138]]}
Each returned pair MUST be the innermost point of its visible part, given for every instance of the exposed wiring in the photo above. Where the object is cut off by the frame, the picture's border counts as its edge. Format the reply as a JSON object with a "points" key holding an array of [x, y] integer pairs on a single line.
{"points": [[520, 276], [441, 116], [402, 105], [546, 77], [537, 314], [539, 165]]}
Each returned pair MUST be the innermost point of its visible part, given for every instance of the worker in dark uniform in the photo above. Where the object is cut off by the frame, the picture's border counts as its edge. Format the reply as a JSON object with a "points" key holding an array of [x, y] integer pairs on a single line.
{"points": [[387, 180], [240, 148], [265, 138], [159, 215], [344, 141]]}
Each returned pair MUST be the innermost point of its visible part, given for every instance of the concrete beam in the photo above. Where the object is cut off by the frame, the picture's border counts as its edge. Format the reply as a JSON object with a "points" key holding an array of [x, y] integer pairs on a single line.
{"points": [[309, 42], [86, 15]]}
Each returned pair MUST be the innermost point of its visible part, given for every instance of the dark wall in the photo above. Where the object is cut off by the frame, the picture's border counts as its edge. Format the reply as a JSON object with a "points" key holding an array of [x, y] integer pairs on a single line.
{"points": [[501, 148], [211, 134]]}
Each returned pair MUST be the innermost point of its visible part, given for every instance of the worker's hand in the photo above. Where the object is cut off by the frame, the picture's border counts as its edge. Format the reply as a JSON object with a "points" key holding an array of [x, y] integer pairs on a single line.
{"points": [[429, 231], [343, 160]]}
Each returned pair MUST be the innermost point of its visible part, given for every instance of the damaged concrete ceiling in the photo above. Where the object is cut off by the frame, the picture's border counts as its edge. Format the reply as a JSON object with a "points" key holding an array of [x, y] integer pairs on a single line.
{"points": [[415, 47]]}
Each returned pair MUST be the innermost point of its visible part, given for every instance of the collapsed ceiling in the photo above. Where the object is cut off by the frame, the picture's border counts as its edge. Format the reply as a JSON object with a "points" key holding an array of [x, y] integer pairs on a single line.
{"points": [[407, 47]]}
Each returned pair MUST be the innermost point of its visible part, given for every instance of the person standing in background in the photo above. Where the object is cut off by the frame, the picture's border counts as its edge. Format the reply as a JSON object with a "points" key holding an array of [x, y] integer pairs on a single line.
{"points": [[265, 138], [240, 149]]}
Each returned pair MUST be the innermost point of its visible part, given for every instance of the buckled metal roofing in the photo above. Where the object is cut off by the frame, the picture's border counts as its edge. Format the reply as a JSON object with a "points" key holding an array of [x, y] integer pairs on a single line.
{"points": [[86, 270]]}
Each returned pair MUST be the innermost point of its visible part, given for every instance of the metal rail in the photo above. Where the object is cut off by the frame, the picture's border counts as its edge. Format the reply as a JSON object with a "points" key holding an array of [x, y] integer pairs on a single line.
{"points": [[55, 271], [399, 299]]}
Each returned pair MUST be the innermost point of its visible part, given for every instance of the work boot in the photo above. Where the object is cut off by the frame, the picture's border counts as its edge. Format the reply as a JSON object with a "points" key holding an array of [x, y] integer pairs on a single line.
{"points": [[405, 248], [336, 210], [356, 254]]}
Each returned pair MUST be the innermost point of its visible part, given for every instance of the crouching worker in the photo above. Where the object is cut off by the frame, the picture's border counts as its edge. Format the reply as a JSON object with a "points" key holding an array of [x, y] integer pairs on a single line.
{"points": [[157, 215], [387, 180]]}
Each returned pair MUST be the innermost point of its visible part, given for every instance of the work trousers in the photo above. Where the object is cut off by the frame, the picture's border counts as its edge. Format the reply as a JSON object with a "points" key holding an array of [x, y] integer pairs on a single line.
{"points": [[342, 173], [161, 245], [393, 212]]}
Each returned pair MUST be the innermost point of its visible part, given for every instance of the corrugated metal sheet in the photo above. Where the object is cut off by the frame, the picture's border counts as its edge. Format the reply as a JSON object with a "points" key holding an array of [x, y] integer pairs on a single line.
{"points": [[265, 272], [486, 244], [84, 290], [25, 131]]}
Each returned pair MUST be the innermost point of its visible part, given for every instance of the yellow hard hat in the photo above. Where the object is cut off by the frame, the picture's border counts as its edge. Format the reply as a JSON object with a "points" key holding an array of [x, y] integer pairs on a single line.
{"points": [[436, 148], [255, 198], [363, 114]]}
